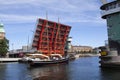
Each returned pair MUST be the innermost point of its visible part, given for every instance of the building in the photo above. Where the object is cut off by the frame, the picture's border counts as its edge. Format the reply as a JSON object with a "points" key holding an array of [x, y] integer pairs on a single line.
{"points": [[111, 12], [20, 52], [2, 31], [81, 49], [4, 43], [50, 37], [68, 44]]}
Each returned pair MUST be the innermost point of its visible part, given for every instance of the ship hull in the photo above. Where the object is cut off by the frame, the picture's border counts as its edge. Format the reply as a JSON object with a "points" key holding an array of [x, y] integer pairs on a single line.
{"points": [[43, 63]]}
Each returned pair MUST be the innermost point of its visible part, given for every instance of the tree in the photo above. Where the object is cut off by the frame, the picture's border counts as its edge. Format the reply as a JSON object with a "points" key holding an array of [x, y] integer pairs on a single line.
{"points": [[4, 46]]}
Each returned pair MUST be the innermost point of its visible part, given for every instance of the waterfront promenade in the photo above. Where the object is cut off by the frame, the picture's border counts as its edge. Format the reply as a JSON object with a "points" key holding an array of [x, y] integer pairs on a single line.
{"points": [[9, 59], [86, 55], [76, 57]]}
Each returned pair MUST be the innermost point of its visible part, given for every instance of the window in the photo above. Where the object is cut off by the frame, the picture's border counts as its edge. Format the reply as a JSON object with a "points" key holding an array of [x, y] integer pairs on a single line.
{"points": [[118, 4], [109, 26], [41, 21], [109, 16]]}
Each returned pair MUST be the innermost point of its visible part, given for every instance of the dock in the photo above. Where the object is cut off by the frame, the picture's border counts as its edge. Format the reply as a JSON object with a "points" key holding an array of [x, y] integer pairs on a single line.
{"points": [[9, 59], [85, 55]]}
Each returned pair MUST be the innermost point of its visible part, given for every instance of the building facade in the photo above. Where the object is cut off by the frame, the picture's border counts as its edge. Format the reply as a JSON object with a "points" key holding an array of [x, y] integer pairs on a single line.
{"points": [[68, 44], [81, 49], [50, 37], [2, 31], [111, 12], [110, 57]]}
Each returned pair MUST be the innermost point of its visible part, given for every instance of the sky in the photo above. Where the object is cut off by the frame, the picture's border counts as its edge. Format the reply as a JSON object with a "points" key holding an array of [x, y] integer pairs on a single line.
{"points": [[20, 18]]}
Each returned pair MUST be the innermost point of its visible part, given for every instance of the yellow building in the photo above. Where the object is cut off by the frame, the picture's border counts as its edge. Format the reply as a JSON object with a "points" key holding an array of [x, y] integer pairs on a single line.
{"points": [[81, 49]]}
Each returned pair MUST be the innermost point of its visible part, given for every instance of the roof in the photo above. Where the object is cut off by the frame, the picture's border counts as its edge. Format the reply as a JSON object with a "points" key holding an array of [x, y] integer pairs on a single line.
{"points": [[109, 3], [2, 28], [54, 22]]}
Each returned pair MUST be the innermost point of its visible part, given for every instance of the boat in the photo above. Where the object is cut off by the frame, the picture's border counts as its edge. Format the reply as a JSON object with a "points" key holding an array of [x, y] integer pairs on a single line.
{"points": [[50, 43], [31, 56], [42, 60]]}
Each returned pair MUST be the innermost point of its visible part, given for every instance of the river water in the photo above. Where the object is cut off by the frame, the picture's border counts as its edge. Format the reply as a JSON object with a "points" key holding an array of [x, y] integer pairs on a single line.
{"points": [[86, 68]]}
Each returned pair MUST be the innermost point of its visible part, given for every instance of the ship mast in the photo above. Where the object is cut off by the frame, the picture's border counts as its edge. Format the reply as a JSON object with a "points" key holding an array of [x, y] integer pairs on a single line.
{"points": [[47, 27], [60, 47], [58, 31]]}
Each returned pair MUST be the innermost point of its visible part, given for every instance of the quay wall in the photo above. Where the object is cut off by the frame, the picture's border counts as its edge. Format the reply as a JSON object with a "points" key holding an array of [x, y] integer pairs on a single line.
{"points": [[9, 59]]}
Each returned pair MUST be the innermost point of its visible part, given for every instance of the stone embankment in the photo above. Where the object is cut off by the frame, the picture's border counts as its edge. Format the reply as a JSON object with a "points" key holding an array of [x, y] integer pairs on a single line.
{"points": [[9, 59], [86, 55]]}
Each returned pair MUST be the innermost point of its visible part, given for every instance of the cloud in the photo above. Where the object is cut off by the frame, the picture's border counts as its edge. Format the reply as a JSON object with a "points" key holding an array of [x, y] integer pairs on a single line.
{"points": [[13, 12], [12, 2], [64, 19], [22, 11], [63, 5], [17, 18]]}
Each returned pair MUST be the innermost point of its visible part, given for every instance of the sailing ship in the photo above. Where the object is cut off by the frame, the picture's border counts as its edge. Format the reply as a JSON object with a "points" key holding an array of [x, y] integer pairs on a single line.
{"points": [[50, 40], [41, 59]]}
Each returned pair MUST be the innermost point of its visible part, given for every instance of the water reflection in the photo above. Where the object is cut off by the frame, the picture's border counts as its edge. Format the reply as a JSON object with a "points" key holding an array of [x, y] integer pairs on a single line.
{"points": [[56, 72], [110, 74], [80, 69], [84, 69], [14, 71], [2, 71]]}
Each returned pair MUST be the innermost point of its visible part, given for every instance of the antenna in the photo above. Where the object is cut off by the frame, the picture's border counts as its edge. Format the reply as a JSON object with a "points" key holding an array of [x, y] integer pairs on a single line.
{"points": [[28, 44], [46, 15], [59, 32], [103, 1]]}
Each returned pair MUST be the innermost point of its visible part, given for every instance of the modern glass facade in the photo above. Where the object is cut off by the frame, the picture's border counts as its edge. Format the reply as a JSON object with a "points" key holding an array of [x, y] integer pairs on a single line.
{"points": [[111, 12]]}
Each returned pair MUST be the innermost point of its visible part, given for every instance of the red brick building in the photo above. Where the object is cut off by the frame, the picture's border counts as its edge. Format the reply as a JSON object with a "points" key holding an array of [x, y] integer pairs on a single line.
{"points": [[50, 37]]}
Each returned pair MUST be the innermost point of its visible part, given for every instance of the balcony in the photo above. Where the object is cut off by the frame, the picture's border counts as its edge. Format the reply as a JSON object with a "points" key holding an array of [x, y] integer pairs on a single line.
{"points": [[36, 39], [69, 39], [104, 13], [34, 44], [37, 34], [38, 29]]}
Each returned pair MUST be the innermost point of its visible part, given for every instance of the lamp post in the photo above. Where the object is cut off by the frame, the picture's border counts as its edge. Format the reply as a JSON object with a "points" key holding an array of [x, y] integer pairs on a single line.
{"points": [[13, 50], [28, 44]]}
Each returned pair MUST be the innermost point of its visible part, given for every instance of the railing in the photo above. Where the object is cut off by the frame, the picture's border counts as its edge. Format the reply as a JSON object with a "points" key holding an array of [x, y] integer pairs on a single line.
{"points": [[34, 44], [111, 11], [36, 34], [36, 39], [38, 29]]}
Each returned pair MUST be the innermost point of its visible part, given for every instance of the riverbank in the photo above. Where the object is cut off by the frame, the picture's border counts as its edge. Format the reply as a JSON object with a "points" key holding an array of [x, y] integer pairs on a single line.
{"points": [[85, 55], [76, 56], [9, 59]]}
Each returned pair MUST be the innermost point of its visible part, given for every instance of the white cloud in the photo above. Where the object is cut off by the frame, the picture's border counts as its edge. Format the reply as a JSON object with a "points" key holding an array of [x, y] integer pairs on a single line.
{"points": [[17, 18], [12, 2], [64, 19], [63, 5], [27, 11], [67, 10]]}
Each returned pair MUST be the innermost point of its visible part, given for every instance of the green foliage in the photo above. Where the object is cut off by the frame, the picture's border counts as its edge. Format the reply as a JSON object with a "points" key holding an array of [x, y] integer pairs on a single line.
{"points": [[4, 46]]}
